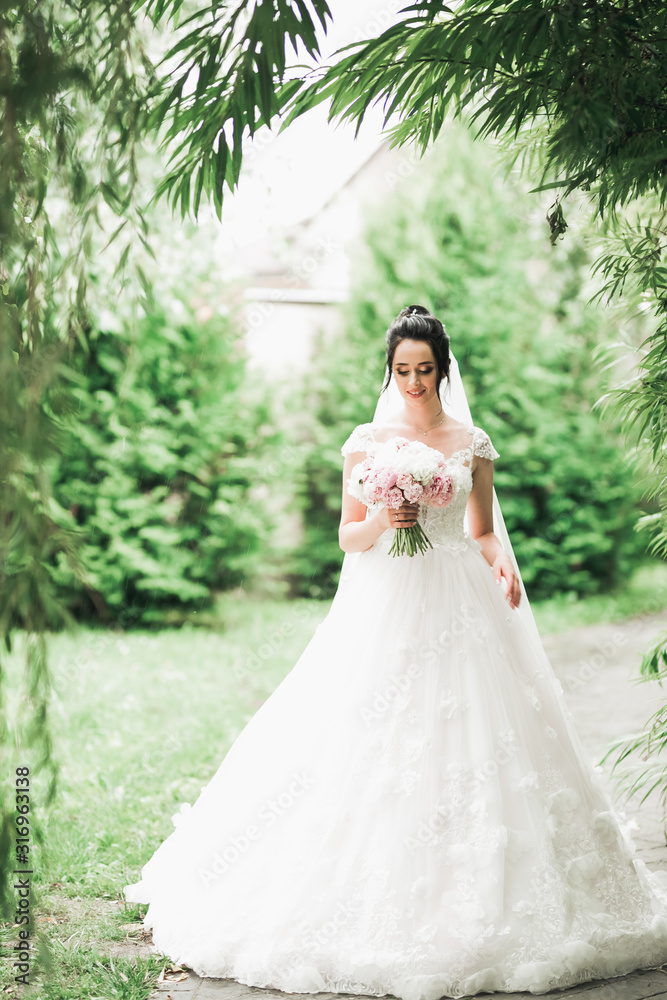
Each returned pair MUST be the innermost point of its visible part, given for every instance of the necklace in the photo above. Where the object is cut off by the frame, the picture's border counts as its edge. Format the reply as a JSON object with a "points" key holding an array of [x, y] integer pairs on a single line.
{"points": [[428, 428]]}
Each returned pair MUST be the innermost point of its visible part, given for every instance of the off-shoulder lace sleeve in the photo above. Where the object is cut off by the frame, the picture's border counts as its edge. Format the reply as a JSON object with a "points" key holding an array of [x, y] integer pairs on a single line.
{"points": [[481, 444], [361, 439]]}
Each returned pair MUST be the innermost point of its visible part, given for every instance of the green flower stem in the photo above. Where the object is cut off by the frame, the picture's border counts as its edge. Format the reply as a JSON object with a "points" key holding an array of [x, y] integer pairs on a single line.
{"points": [[407, 541]]}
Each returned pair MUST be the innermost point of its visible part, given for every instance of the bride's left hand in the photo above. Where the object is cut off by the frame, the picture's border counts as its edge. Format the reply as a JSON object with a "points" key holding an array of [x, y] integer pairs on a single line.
{"points": [[502, 567]]}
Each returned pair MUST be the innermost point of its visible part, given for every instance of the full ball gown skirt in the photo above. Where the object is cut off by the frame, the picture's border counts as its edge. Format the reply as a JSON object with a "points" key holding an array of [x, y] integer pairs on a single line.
{"points": [[411, 811]]}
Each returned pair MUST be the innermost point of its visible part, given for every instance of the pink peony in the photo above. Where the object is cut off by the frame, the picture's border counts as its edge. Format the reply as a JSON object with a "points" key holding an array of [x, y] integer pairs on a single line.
{"points": [[393, 498], [440, 491], [376, 484], [414, 492], [386, 477], [373, 491], [405, 471]]}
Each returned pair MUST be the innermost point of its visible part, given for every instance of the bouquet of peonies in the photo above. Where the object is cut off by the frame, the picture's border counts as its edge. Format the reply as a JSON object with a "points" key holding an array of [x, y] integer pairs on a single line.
{"points": [[403, 470]]}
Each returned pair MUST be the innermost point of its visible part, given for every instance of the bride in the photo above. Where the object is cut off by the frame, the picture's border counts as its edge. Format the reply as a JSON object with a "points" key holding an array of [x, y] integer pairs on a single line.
{"points": [[411, 811]]}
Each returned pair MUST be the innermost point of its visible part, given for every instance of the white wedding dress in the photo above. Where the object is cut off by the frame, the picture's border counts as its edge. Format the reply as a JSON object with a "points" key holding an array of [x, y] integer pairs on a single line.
{"points": [[411, 811]]}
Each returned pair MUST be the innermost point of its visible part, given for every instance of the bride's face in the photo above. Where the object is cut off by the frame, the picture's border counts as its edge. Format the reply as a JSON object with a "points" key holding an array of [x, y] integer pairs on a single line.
{"points": [[416, 372]]}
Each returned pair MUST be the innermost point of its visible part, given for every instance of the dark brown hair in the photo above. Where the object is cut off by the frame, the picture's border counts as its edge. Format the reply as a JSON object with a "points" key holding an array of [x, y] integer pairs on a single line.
{"points": [[417, 323]]}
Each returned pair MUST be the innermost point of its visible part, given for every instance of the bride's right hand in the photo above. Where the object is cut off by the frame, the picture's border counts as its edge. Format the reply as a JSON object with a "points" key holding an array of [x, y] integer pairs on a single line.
{"points": [[404, 517]]}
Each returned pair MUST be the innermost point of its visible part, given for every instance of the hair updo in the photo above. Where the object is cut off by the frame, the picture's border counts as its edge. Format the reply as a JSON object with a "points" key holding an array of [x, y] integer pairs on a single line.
{"points": [[417, 323]]}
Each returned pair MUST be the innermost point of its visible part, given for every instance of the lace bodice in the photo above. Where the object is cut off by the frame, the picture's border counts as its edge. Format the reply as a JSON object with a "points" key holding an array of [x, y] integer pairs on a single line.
{"points": [[444, 526]]}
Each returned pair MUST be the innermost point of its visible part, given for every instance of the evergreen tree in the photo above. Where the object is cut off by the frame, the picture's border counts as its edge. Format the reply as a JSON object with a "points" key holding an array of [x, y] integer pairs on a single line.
{"points": [[158, 469]]}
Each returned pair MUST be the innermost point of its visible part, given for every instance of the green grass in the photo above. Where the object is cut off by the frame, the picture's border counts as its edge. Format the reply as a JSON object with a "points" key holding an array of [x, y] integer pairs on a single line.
{"points": [[140, 722], [645, 593], [80, 972]]}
